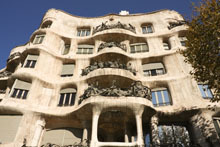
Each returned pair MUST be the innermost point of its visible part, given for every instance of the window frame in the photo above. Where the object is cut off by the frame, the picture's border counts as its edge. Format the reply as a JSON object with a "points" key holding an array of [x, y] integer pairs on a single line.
{"points": [[85, 49], [63, 68], [205, 92], [30, 61], [137, 50], [182, 40], [83, 32], [156, 70], [67, 97], [20, 89], [38, 39], [145, 29], [162, 93]]}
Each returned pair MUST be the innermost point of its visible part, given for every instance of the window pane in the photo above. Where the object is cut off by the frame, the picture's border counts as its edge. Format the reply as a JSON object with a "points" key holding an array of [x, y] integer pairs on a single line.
{"points": [[146, 73], [14, 93], [209, 93], [144, 31], [25, 94], [33, 64], [153, 72], [87, 32], [41, 39], [78, 33], [84, 51], [61, 100], [138, 48], [202, 91], [132, 49], [83, 33], [149, 29], [66, 51], [160, 99], [79, 51], [67, 99], [147, 140], [166, 97], [72, 99], [19, 93], [90, 50], [144, 48], [28, 63], [159, 71], [154, 99]]}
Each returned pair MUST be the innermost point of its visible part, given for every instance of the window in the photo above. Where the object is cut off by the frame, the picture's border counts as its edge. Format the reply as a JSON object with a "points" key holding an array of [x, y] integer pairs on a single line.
{"points": [[173, 135], [160, 97], [30, 61], [166, 46], [46, 24], [20, 89], [38, 39], [67, 97], [66, 49], [183, 40], [83, 32], [147, 29], [216, 121], [85, 49], [153, 69], [138, 48], [67, 70], [205, 91]]}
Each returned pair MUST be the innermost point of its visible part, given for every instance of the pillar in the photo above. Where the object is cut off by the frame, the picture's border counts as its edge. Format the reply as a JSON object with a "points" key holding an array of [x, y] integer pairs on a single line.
{"points": [[40, 124], [140, 138], [126, 132], [95, 118], [154, 131], [85, 132]]}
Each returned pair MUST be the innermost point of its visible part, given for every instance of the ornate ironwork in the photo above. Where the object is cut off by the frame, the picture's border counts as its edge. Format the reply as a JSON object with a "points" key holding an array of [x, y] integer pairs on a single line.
{"points": [[136, 89], [105, 26], [107, 64], [5, 73], [112, 44], [175, 24], [13, 56]]}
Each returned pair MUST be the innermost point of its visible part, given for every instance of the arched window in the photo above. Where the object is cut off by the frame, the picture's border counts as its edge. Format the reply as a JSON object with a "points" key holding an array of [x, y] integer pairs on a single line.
{"points": [[67, 97], [153, 69], [160, 97]]}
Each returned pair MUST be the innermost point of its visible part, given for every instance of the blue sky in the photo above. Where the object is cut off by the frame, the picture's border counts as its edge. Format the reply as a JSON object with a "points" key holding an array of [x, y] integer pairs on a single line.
{"points": [[20, 18]]}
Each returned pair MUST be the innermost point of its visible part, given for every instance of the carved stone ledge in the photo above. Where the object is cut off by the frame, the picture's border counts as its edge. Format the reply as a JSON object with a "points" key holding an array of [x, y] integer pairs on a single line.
{"points": [[108, 64], [136, 89], [72, 145], [112, 44], [13, 56], [176, 24], [5, 74], [119, 25]]}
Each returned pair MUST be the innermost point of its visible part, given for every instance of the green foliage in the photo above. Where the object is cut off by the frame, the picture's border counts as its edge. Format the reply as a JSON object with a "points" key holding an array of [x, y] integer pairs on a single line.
{"points": [[203, 45]]}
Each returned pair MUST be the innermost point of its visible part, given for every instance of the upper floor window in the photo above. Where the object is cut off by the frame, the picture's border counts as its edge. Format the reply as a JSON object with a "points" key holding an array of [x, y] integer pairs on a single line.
{"points": [[66, 49], [146, 29], [67, 70], [160, 97], [205, 91], [46, 24], [30, 61], [153, 69], [85, 49], [139, 47], [67, 97], [183, 40], [216, 121], [83, 32], [38, 39], [20, 89], [166, 45]]}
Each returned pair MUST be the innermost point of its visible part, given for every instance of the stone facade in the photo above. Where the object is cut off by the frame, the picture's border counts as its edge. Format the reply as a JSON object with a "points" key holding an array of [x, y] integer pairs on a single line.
{"points": [[106, 81]]}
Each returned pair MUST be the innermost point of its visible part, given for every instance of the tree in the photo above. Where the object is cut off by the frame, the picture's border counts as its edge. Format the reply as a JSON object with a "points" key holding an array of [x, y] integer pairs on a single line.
{"points": [[203, 45]]}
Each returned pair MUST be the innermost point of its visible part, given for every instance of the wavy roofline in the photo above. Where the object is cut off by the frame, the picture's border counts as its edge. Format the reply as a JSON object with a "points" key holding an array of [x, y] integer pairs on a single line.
{"points": [[112, 14]]}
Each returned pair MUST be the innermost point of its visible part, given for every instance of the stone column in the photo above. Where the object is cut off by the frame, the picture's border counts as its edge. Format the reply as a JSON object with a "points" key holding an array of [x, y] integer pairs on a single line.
{"points": [[40, 124], [95, 118], [126, 132], [138, 117], [154, 131], [85, 132]]}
